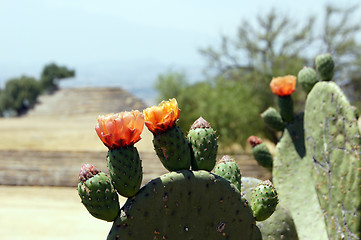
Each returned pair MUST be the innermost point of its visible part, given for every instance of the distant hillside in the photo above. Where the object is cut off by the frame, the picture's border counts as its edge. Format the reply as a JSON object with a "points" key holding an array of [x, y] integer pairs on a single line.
{"points": [[76, 101]]}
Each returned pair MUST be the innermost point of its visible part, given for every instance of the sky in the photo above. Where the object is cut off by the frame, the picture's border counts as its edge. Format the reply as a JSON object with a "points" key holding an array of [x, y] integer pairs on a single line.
{"points": [[125, 43]]}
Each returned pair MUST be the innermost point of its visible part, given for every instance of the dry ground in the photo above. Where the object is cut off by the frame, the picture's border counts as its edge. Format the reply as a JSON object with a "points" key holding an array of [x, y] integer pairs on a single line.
{"points": [[39, 213], [59, 133], [36, 213]]}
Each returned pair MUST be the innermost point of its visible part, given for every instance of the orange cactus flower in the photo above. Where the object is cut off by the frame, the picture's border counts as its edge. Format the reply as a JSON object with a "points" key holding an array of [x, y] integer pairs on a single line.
{"points": [[121, 129], [283, 86], [160, 118]]}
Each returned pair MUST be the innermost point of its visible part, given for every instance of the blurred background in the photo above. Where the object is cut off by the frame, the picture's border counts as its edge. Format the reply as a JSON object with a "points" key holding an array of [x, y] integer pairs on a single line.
{"points": [[63, 63]]}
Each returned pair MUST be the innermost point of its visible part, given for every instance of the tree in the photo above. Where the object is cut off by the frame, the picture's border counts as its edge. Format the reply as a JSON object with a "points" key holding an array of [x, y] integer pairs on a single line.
{"points": [[19, 95], [339, 37], [51, 75], [242, 69], [170, 84]]}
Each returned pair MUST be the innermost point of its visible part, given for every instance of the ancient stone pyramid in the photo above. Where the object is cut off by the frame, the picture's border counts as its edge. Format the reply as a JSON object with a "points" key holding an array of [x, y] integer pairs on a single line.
{"points": [[75, 101]]}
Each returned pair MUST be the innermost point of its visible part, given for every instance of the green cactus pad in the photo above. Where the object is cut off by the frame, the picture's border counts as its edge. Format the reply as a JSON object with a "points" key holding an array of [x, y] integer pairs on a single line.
{"points": [[333, 143], [263, 156], [307, 78], [272, 118], [172, 149], [186, 205], [295, 187], [325, 66], [285, 106], [280, 224], [228, 169], [125, 169], [99, 196], [203, 141], [264, 200]]}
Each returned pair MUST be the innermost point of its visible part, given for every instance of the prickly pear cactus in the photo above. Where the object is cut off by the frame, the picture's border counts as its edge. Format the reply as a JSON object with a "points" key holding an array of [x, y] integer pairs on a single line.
{"points": [[125, 169], [261, 152], [333, 143], [272, 118], [307, 78], [172, 149], [325, 66], [292, 178], [186, 205], [278, 226], [97, 193], [264, 200], [228, 169], [203, 142]]}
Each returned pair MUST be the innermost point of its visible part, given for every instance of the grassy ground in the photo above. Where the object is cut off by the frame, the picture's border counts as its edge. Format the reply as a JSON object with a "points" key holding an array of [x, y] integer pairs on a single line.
{"points": [[70, 133]]}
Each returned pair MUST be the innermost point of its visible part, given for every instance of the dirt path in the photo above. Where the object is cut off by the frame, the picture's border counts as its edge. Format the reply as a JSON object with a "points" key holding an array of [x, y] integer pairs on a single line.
{"points": [[39, 213]]}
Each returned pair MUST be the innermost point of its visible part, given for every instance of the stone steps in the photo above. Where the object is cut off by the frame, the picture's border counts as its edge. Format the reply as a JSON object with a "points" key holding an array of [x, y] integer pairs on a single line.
{"points": [[51, 168], [75, 101]]}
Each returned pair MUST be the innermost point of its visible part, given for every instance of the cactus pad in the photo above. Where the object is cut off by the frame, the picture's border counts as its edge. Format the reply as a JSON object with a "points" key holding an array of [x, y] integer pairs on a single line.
{"points": [[262, 155], [307, 78], [264, 200], [333, 143], [325, 66], [272, 118], [98, 194], [292, 178], [125, 169], [228, 169], [285, 106], [186, 205], [172, 149], [203, 141], [278, 226]]}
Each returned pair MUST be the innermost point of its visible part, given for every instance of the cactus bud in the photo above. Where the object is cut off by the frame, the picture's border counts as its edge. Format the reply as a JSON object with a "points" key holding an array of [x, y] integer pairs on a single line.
{"points": [[87, 171], [272, 118], [203, 142], [325, 66], [254, 141], [261, 152], [264, 200], [97, 193], [307, 77], [228, 169]]}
